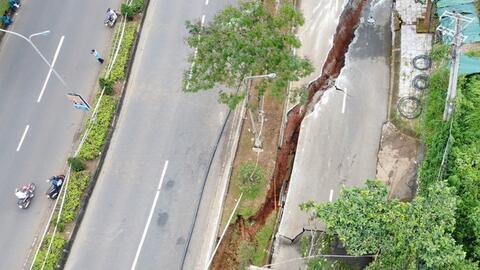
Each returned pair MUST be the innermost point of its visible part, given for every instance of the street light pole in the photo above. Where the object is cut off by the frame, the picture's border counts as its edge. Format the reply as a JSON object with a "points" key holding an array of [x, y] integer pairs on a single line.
{"points": [[257, 144], [29, 40]]}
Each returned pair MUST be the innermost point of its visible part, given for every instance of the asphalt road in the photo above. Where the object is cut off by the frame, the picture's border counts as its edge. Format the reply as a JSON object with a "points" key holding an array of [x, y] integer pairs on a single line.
{"points": [[339, 140], [158, 157], [52, 121]]}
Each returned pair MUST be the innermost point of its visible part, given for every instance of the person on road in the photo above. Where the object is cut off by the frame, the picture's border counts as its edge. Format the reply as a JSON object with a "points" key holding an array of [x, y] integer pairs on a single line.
{"points": [[110, 15], [97, 56], [14, 5], [6, 19], [21, 194]]}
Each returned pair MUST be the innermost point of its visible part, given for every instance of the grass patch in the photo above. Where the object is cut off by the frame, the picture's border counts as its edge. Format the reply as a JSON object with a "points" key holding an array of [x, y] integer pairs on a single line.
{"points": [[250, 178], [262, 240], [53, 256], [3, 7], [99, 129]]}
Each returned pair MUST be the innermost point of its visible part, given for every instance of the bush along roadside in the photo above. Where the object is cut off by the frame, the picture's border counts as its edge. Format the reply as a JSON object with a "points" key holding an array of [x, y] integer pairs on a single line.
{"points": [[98, 131], [461, 165]]}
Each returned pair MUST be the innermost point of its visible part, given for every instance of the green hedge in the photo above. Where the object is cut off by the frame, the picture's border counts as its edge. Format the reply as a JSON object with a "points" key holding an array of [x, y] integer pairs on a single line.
{"points": [[96, 138], [464, 166], [133, 9], [78, 182], [462, 169], [53, 256], [434, 129], [118, 70]]}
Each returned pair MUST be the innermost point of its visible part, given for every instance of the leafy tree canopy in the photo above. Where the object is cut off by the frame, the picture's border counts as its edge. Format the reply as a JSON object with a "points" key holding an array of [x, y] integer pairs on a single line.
{"points": [[404, 235], [244, 41]]}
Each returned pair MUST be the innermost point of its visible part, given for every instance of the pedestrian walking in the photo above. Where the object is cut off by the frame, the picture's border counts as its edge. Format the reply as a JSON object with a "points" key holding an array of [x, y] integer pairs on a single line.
{"points": [[97, 56]]}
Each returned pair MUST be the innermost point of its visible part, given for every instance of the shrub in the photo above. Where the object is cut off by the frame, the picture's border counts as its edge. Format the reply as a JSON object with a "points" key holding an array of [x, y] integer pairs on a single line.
{"points": [[107, 84], [76, 163], [251, 178], [78, 182], [129, 11], [53, 256], [118, 71], [99, 129]]}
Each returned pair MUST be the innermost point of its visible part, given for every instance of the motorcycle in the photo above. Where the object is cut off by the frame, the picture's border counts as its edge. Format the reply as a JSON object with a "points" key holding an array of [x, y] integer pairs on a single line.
{"points": [[56, 185], [111, 18], [25, 195]]}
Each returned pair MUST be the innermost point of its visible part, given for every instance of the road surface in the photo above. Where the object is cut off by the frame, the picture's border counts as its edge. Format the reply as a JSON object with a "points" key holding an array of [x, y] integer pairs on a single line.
{"points": [[339, 140], [143, 206], [52, 122]]}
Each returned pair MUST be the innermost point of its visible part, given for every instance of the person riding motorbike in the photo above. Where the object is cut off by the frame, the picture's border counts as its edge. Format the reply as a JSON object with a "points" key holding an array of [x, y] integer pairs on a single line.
{"points": [[21, 193], [57, 181], [110, 16]]}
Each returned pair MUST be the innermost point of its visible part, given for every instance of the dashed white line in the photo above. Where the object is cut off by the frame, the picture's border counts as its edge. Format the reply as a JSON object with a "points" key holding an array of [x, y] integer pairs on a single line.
{"points": [[344, 99], [203, 20], [330, 197], [23, 138], [206, 2], [149, 216], [51, 69]]}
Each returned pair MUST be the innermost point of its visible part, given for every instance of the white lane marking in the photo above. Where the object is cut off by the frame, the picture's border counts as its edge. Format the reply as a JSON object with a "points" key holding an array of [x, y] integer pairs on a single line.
{"points": [[206, 2], [191, 69], [51, 69], [23, 138], [330, 197], [203, 19], [344, 99], [149, 216]]}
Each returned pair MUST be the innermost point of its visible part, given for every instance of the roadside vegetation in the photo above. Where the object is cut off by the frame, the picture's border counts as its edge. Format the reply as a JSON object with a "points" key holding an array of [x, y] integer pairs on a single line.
{"points": [[440, 227], [251, 39], [90, 151]]}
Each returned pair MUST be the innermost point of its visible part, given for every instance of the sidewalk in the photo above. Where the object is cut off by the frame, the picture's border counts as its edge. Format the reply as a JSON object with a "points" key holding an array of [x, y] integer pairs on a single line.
{"points": [[339, 140]]}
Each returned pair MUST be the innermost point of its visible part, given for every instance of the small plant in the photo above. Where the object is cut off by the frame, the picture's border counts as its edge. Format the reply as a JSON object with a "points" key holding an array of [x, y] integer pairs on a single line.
{"points": [[76, 163], [107, 84], [129, 11], [77, 185], [250, 177]]}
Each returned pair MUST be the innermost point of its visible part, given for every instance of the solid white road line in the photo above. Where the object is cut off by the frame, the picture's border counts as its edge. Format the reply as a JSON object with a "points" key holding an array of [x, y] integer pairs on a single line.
{"points": [[330, 197], [23, 138], [51, 69], [149, 217], [344, 99]]}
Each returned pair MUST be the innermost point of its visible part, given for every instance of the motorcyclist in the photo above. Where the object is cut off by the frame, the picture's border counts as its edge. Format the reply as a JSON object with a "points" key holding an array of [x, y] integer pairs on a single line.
{"points": [[110, 16], [21, 193], [56, 181]]}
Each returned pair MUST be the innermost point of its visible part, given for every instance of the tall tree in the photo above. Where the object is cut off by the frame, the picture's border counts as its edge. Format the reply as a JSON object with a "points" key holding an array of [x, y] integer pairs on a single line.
{"points": [[245, 41], [404, 235]]}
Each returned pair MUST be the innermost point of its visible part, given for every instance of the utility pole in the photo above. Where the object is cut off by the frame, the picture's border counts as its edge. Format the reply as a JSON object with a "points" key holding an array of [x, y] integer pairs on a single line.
{"points": [[459, 22], [257, 145]]}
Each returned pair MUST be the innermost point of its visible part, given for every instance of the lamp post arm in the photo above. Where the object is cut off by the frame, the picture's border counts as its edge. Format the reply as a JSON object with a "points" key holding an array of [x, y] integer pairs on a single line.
{"points": [[38, 51]]}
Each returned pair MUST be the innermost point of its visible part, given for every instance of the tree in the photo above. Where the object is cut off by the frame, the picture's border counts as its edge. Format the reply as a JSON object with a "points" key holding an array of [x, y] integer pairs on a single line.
{"points": [[244, 41], [404, 235]]}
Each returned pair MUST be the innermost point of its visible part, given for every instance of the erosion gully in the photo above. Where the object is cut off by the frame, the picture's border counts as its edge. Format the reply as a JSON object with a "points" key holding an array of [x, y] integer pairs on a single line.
{"points": [[335, 61]]}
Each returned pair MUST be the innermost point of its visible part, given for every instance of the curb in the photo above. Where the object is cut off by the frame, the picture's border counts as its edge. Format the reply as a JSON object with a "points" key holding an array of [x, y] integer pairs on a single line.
{"points": [[88, 192], [222, 189]]}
